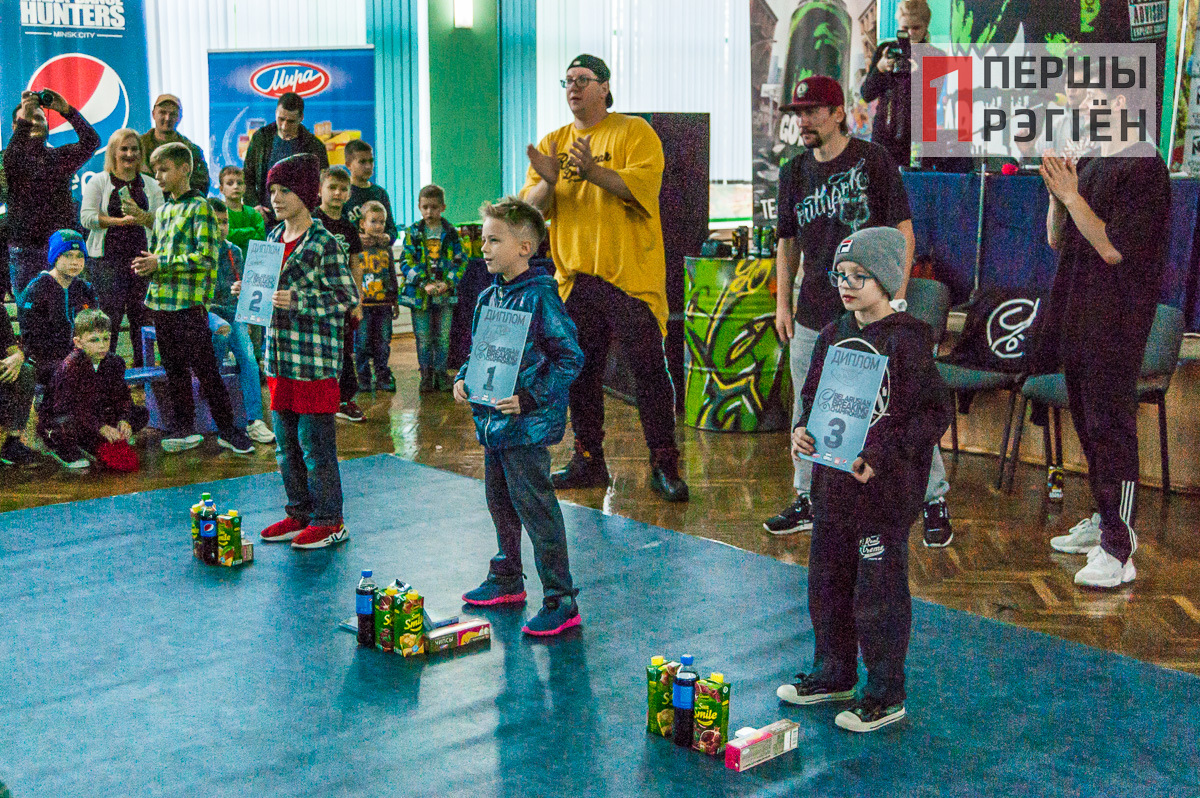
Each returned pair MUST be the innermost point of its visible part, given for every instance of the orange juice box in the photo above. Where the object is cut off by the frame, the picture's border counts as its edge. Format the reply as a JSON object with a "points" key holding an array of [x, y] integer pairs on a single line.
{"points": [[710, 720], [229, 539], [409, 624], [660, 678]]}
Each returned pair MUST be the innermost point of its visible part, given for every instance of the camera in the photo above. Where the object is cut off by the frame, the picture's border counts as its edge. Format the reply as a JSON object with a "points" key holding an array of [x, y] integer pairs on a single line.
{"points": [[900, 52], [45, 98]]}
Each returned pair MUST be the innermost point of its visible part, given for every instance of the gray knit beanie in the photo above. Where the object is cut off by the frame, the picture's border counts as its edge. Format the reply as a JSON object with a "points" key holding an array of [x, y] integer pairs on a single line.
{"points": [[879, 250]]}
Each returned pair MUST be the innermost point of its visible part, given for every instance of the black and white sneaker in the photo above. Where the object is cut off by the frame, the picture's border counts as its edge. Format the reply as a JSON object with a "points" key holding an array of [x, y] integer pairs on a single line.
{"points": [[796, 518], [16, 454], [807, 690], [869, 714], [237, 442], [938, 532]]}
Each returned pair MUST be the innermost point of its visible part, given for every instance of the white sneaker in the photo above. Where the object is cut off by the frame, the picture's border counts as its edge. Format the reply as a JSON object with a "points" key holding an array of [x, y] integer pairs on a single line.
{"points": [[260, 432], [1105, 570], [1081, 539], [181, 444]]}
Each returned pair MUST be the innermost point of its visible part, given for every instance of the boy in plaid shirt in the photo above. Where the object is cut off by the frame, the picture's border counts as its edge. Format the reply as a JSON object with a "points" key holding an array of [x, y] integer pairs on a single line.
{"points": [[304, 353], [181, 268]]}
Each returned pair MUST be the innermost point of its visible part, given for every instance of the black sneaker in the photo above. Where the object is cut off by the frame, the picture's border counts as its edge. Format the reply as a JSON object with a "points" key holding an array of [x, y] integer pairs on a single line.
{"points": [[350, 411], [385, 383], [237, 442], [15, 453], [427, 384], [869, 714], [807, 690], [585, 470], [664, 475], [796, 518], [1055, 478], [938, 532]]}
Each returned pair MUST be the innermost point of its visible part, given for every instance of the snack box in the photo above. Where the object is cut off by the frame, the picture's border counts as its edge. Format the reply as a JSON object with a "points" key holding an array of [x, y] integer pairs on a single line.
{"points": [[743, 753], [459, 635]]}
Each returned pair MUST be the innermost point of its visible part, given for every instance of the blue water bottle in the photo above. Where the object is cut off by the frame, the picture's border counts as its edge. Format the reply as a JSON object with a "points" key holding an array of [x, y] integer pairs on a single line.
{"points": [[683, 699], [364, 607]]}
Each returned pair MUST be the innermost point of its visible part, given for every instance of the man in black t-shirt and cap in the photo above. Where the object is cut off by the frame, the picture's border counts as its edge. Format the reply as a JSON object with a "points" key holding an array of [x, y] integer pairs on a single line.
{"points": [[838, 186], [1108, 221]]}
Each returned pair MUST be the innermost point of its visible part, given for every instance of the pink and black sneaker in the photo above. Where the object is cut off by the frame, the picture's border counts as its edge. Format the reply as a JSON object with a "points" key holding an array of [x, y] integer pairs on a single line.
{"points": [[492, 593], [556, 616]]}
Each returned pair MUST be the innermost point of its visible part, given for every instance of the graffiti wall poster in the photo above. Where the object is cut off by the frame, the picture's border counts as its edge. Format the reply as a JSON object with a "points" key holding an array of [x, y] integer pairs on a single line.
{"points": [[789, 41], [737, 369], [244, 86], [93, 55]]}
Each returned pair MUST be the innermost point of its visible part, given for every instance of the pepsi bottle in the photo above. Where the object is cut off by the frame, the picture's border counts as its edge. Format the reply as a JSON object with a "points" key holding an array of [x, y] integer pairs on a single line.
{"points": [[208, 532], [683, 700], [364, 607]]}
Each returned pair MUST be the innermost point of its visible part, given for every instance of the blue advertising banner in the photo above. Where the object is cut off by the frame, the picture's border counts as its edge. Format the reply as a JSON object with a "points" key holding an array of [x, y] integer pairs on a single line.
{"points": [[337, 84], [93, 54], [845, 405]]}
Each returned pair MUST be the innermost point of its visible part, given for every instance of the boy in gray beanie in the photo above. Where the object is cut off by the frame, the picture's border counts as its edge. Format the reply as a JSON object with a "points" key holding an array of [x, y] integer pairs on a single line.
{"points": [[858, 566]]}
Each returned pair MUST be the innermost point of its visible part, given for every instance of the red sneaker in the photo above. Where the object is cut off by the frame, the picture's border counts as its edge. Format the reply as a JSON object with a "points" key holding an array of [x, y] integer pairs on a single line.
{"points": [[283, 530], [318, 537]]}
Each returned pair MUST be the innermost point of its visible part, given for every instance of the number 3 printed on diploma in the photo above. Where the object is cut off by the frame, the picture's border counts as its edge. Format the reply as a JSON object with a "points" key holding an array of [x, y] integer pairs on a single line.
{"points": [[837, 428]]}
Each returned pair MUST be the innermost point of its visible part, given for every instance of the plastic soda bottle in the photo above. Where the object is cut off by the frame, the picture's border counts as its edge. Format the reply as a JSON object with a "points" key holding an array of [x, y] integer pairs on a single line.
{"points": [[208, 531], [683, 700], [364, 607]]}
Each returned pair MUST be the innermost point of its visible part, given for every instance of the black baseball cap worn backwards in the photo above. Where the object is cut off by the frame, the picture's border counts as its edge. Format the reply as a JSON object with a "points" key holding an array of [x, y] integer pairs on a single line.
{"points": [[599, 69]]}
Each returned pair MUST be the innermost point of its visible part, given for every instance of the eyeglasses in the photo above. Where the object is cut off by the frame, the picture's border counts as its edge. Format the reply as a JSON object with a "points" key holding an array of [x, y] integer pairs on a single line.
{"points": [[853, 281], [580, 82]]}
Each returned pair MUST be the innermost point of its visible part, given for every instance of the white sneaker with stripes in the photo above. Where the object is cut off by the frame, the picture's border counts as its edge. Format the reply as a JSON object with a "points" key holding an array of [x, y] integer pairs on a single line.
{"points": [[1105, 570], [1081, 539]]}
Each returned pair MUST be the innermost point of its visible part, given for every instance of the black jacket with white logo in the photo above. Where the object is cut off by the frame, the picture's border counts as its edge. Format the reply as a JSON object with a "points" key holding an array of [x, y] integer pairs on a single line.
{"points": [[912, 412]]}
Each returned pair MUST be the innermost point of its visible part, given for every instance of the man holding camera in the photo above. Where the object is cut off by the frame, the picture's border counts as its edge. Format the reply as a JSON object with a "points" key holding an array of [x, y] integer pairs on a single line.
{"points": [[39, 181], [889, 81]]}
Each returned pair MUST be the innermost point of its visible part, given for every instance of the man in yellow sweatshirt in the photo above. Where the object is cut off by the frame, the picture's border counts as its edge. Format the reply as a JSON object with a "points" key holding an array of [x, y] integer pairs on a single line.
{"points": [[597, 180]]}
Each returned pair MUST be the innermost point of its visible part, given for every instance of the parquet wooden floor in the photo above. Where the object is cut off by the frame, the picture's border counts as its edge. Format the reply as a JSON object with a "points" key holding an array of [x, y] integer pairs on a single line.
{"points": [[1000, 565]]}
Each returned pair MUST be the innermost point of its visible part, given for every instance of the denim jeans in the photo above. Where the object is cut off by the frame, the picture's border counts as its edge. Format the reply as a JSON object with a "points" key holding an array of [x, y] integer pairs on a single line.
{"points": [[25, 263], [306, 450], [373, 342], [432, 329], [519, 493], [243, 352]]}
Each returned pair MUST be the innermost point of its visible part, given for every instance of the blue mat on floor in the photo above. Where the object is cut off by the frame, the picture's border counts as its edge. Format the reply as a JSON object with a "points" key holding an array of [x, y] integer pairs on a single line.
{"points": [[132, 670]]}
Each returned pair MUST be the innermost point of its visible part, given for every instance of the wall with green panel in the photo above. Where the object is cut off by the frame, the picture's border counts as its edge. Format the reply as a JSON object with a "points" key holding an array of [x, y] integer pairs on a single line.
{"points": [[464, 109]]}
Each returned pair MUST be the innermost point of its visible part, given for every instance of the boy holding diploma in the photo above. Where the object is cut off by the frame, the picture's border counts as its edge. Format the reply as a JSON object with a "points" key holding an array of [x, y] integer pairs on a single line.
{"points": [[516, 432], [858, 565]]}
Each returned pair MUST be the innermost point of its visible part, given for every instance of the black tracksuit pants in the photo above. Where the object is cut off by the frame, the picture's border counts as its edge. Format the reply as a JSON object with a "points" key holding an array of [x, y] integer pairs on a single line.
{"points": [[601, 311], [185, 346], [1103, 403], [858, 598]]}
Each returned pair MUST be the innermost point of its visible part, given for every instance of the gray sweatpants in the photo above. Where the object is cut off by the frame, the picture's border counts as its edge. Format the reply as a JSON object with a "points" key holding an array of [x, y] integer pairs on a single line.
{"points": [[804, 341]]}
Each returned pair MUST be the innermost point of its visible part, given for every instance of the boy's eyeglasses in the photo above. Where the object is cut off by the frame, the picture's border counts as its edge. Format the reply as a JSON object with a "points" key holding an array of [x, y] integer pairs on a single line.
{"points": [[852, 281], [580, 82]]}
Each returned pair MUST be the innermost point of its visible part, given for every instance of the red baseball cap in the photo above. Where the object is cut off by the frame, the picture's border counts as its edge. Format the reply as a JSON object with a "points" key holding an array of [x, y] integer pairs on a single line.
{"points": [[816, 91]]}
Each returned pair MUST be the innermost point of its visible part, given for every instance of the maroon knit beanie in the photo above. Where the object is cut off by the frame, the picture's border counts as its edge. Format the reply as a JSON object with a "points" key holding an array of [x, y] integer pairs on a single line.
{"points": [[300, 174]]}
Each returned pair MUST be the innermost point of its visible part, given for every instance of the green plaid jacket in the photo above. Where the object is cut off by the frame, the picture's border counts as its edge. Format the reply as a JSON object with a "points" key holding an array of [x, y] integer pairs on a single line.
{"points": [[305, 343], [186, 241]]}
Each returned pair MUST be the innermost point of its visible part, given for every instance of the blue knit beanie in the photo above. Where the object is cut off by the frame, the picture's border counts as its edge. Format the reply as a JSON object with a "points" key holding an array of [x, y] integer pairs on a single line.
{"points": [[61, 242]]}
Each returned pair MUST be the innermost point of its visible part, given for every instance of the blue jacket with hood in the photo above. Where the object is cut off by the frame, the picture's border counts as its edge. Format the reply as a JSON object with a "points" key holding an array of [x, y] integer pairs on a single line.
{"points": [[550, 362]]}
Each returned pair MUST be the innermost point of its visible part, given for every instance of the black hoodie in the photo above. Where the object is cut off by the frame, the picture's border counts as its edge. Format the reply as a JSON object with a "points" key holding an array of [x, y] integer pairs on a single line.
{"points": [[911, 414]]}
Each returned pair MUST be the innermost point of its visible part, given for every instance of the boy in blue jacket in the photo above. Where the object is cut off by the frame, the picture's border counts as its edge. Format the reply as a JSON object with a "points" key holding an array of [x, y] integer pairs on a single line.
{"points": [[516, 432]]}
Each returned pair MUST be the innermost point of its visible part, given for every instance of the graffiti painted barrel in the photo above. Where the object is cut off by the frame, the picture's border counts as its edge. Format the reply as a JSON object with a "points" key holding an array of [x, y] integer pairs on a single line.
{"points": [[737, 369]]}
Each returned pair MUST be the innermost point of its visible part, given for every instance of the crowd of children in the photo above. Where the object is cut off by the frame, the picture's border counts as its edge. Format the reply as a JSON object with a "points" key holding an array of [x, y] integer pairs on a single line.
{"points": [[193, 256]]}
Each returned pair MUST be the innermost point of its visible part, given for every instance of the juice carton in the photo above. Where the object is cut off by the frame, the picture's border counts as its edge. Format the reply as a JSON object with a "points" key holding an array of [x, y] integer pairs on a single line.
{"points": [[710, 721], [761, 745], [229, 539], [660, 678], [458, 635], [196, 510], [409, 624], [385, 619], [247, 552]]}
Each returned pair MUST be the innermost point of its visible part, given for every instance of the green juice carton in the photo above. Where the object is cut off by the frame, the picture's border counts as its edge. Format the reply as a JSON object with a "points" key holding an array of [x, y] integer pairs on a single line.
{"points": [[710, 719], [385, 619], [660, 678], [229, 539], [409, 624]]}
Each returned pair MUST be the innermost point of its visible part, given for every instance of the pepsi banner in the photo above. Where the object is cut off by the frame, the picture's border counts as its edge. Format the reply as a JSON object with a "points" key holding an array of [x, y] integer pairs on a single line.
{"points": [[93, 54], [338, 87]]}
